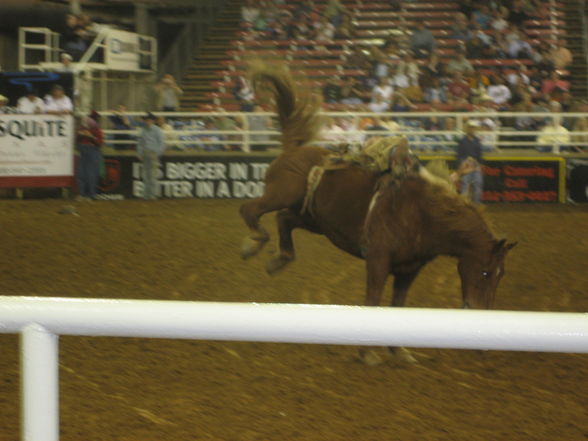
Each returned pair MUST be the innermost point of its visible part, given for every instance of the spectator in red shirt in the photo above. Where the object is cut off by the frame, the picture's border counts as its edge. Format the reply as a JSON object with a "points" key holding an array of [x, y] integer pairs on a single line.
{"points": [[554, 81], [458, 89], [89, 139]]}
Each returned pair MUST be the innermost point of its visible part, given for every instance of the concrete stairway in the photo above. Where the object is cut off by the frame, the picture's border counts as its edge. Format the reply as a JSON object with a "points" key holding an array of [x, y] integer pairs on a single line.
{"points": [[197, 81]]}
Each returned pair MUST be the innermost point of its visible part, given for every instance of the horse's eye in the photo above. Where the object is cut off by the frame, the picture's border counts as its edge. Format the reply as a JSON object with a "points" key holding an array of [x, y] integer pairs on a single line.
{"points": [[485, 274]]}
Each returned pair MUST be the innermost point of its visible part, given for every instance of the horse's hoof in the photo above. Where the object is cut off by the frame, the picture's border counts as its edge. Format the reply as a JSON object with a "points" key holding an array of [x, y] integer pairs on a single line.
{"points": [[403, 355], [276, 264], [250, 247], [370, 358]]}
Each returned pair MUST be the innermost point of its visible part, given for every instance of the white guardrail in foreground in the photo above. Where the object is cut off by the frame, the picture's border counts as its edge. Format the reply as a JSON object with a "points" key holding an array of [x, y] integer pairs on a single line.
{"points": [[40, 321]]}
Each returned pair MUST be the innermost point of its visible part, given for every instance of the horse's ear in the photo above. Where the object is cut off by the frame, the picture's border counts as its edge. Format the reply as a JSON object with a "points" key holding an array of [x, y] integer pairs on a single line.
{"points": [[502, 247], [498, 246]]}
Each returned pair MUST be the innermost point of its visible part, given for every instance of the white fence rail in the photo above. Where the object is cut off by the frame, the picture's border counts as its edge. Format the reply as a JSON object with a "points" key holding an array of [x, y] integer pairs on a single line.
{"points": [[41, 320]]}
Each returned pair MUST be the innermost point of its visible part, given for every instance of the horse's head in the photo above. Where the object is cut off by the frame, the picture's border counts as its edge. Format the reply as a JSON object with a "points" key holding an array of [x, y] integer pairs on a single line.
{"points": [[480, 274]]}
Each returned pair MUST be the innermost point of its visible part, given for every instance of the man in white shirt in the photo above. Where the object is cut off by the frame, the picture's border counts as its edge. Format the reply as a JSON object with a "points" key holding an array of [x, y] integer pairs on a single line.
{"points": [[499, 93], [57, 102], [30, 103]]}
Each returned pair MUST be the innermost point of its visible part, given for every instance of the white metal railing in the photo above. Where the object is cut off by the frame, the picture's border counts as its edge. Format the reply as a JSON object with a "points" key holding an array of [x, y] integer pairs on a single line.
{"points": [[40, 321], [189, 134], [49, 48]]}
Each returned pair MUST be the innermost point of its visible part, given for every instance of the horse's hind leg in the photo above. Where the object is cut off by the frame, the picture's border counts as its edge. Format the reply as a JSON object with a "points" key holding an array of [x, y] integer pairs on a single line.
{"points": [[287, 220], [251, 212], [275, 198]]}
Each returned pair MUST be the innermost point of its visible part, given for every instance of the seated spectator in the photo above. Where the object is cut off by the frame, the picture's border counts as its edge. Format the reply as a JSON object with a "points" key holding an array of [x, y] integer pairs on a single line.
{"points": [[410, 68], [554, 82], [518, 75], [525, 123], [519, 47], [259, 123], [71, 37], [346, 30], [400, 80], [325, 31], [334, 12], [357, 59], [168, 132], [436, 92], [249, 12], [475, 48], [553, 137], [167, 94], [422, 41], [383, 88], [499, 93], [30, 103], [121, 121], [209, 134], [57, 102], [400, 103], [379, 104], [458, 89], [459, 63], [498, 23], [466, 7], [479, 83], [541, 56], [379, 61], [460, 29], [433, 68], [243, 92], [5, 109], [351, 91], [517, 14], [332, 90], [481, 17], [333, 132], [449, 139], [560, 56]]}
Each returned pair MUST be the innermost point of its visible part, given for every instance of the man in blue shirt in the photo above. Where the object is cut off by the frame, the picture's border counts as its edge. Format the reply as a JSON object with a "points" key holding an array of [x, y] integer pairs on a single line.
{"points": [[469, 159], [150, 146]]}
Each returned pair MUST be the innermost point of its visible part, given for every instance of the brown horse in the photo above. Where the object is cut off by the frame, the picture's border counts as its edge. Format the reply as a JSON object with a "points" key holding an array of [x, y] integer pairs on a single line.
{"points": [[398, 227]]}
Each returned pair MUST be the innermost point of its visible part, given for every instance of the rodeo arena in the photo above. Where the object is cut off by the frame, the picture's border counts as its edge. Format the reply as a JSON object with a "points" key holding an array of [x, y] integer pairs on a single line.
{"points": [[436, 146]]}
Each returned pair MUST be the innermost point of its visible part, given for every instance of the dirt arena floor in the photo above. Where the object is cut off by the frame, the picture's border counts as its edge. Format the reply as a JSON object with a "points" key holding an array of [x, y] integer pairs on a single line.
{"points": [[152, 390]]}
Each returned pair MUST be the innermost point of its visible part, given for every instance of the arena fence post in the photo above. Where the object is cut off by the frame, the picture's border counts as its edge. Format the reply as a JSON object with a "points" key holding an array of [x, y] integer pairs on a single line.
{"points": [[39, 384]]}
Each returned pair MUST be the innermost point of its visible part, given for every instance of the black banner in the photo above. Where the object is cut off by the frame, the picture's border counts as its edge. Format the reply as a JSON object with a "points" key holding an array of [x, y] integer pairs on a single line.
{"points": [[217, 177]]}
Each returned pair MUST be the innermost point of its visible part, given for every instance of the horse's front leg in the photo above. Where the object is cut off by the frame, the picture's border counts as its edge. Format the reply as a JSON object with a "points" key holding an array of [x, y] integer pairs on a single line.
{"points": [[402, 283], [287, 221], [378, 269]]}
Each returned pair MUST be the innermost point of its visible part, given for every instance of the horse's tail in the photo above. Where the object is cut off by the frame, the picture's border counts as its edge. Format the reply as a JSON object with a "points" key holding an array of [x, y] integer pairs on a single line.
{"points": [[297, 107]]}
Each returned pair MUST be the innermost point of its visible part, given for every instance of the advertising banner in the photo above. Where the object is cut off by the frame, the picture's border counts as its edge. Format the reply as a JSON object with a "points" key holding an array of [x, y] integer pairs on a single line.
{"points": [[122, 50], [188, 177], [505, 179], [36, 150]]}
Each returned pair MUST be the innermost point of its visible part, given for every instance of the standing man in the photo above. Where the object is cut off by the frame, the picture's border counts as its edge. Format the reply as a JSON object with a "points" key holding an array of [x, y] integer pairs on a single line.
{"points": [[469, 159], [150, 146], [168, 94]]}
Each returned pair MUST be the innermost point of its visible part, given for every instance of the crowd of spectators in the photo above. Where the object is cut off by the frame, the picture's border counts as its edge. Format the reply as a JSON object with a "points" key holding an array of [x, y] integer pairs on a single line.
{"points": [[410, 71]]}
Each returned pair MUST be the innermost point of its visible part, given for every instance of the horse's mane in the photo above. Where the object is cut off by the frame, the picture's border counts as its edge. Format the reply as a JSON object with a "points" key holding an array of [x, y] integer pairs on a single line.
{"points": [[444, 208], [297, 107]]}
